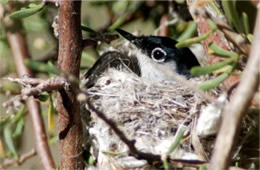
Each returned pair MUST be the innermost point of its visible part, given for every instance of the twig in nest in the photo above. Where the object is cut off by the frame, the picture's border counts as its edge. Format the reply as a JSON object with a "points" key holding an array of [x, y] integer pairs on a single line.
{"points": [[189, 84], [20, 160], [131, 144], [100, 37]]}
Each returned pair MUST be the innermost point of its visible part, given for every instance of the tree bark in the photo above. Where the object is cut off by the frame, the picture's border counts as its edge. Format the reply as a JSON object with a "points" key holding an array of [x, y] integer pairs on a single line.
{"points": [[70, 47]]}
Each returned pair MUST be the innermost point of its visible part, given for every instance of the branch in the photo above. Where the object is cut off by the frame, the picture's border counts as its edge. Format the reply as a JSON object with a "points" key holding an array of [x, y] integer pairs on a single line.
{"points": [[19, 50], [238, 106], [20, 160], [34, 87], [70, 47], [53, 84], [100, 37]]}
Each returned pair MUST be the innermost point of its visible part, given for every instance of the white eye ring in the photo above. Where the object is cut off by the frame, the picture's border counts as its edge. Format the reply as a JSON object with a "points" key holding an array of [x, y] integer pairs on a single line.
{"points": [[158, 51]]}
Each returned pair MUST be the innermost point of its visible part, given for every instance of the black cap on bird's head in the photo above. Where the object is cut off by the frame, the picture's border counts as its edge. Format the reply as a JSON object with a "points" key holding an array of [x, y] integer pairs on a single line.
{"points": [[162, 50]]}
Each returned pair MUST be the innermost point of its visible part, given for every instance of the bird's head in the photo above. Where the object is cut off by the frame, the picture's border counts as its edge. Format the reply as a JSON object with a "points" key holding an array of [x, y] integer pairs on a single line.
{"points": [[157, 50]]}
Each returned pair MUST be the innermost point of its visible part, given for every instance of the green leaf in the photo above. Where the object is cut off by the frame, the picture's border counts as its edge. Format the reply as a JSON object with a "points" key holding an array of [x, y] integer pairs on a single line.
{"points": [[19, 128], [188, 32], [198, 70], [10, 86], [231, 14], [177, 139], [42, 67], [3, 121], [246, 23], [119, 7], [3, 1], [203, 167], [250, 37], [91, 160], [213, 83], [188, 42], [220, 51], [9, 140], [26, 12], [43, 97], [54, 139], [18, 115]]}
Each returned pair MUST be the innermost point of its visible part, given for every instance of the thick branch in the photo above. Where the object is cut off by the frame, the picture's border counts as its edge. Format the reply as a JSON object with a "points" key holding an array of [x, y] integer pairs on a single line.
{"points": [[70, 45], [235, 110], [20, 53]]}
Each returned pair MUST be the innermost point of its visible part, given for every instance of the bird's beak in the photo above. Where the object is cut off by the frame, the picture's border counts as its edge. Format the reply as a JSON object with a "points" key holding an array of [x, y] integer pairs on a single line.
{"points": [[130, 37]]}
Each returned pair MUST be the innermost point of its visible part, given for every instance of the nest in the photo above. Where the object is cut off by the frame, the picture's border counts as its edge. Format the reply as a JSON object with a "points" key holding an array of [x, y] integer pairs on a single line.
{"points": [[150, 114]]}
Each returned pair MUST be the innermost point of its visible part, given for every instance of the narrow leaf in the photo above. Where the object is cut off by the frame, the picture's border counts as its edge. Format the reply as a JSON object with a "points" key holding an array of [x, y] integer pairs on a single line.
{"points": [[246, 23], [220, 51], [42, 67], [213, 83], [231, 14], [18, 115], [19, 128], [9, 140], [188, 32], [198, 70], [26, 12], [177, 139], [188, 42]]}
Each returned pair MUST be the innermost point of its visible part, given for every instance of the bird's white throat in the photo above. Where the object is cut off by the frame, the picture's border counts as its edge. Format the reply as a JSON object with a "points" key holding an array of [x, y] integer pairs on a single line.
{"points": [[150, 69]]}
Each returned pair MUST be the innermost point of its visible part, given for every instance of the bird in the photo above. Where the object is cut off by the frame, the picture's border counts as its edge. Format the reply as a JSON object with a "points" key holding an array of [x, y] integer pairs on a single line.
{"points": [[144, 60]]}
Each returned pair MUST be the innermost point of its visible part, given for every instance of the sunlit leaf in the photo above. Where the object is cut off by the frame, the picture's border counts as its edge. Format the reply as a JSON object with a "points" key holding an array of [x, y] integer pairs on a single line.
{"points": [[220, 51], [198, 70], [213, 83], [188, 42], [188, 32], [26, 12]]}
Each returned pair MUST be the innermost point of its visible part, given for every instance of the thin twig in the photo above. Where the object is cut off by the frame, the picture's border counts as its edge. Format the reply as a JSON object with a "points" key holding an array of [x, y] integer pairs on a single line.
{"points": [[131, 144], [20, 160], [20, 53], [238, 106], [100, 37], [190, 85], [34, 87]]}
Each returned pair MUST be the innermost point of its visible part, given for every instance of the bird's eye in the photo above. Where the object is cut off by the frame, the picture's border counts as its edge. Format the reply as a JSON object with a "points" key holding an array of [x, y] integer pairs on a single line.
{"points": [[158, 55]]}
